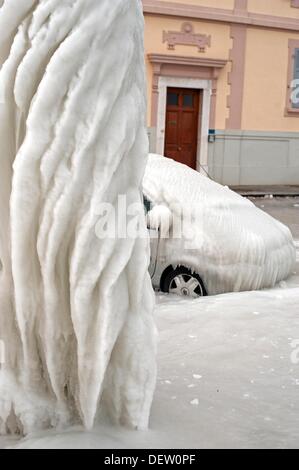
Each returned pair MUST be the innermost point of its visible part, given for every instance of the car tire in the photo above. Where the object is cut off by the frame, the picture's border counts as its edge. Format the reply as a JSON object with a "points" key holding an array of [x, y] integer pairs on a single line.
{"points": [[182, 281]]}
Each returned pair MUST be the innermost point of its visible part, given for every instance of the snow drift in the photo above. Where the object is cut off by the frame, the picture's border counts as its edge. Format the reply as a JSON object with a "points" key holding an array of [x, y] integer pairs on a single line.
{"points": [[75, 311], [234, 246]]}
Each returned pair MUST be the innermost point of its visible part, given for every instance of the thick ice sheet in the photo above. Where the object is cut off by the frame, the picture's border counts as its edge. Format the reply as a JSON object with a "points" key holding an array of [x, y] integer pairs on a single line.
{"points": [[232, 353], [236, 246], [75, 311]]}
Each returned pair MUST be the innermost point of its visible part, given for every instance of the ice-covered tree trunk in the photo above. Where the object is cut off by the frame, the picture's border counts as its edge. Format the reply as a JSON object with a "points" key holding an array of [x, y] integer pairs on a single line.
{"points": [[75, 310]]}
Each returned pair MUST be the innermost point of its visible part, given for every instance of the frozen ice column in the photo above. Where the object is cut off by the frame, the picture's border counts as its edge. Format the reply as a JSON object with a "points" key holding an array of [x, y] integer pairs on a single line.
{"points": [[75, 310]]}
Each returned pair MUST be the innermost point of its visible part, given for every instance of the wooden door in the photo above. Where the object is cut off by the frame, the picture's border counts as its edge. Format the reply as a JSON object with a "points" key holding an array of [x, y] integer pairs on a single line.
{"points": [[181, 131]]}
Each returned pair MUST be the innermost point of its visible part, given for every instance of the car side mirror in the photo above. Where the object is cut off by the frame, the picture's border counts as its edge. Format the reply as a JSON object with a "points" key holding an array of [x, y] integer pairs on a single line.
{"points": [[160, 218]]}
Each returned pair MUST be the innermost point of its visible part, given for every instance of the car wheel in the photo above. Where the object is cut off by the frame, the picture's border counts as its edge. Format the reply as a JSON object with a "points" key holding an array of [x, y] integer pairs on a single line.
{"points": [[182, 281]]}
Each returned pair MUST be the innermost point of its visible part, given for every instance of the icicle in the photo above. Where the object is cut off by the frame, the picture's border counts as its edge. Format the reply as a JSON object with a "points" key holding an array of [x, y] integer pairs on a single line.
{"points": [[75, 310]]}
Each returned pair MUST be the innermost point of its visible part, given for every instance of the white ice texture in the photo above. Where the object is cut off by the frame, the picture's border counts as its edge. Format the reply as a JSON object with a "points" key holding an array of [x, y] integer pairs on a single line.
{"points": [[230, 243], [75, 311]]}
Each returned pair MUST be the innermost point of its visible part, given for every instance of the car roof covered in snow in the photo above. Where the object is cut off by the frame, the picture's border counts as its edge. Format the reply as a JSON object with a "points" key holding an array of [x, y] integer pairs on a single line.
{"points": [[168, 180]]}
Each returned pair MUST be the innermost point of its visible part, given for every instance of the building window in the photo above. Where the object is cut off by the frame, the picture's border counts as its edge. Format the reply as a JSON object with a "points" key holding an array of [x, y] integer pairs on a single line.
{"points": [[295, 84], [293, 79]]}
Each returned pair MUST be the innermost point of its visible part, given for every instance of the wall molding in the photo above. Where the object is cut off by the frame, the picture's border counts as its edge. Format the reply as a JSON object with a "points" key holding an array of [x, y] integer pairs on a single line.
{"points": [[184, 67], [203, 124], [237, 76], [186, 37], [181, 10], [240, 6], [187, 60]]}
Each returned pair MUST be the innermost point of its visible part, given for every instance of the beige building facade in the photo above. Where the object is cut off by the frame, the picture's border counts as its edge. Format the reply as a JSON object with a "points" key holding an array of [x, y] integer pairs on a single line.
{"points": [[223, 87]]}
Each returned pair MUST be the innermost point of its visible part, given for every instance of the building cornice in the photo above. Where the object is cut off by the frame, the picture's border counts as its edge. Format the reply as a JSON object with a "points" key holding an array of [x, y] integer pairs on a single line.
{"points": [[181, 10], [185, 60]]}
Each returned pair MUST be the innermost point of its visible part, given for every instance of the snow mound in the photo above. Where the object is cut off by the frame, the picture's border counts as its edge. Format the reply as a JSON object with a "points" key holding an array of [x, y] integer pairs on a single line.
{"points": [[230, 243], [70, 71]]}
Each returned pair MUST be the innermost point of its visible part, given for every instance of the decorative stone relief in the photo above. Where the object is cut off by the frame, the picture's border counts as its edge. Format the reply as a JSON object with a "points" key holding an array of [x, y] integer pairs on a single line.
{"points": [[186, 37]]}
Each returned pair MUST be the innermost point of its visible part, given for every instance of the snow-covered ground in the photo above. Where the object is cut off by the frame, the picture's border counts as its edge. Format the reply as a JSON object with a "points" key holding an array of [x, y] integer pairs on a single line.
{"points": [[228, 371]]}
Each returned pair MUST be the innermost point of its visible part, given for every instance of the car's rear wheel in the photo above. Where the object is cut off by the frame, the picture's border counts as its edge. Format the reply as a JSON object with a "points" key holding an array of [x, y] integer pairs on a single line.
{"points": [[182, 281]]}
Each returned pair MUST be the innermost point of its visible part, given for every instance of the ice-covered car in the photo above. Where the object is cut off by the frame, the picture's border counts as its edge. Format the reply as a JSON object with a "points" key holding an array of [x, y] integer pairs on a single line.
{"points": [[206, 239]]}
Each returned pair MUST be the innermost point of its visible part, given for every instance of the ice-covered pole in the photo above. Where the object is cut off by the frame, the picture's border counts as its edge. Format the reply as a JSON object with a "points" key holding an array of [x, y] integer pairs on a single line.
{"points": [[76, 326]]}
